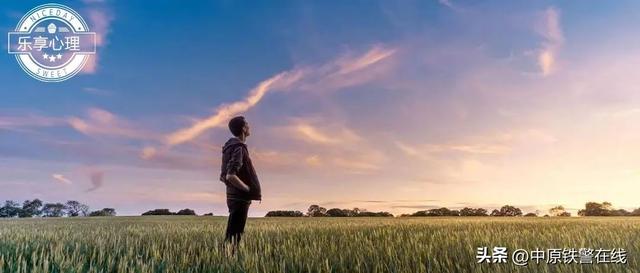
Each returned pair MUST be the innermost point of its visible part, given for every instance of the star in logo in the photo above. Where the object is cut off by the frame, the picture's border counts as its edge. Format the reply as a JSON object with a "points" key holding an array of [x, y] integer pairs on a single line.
{"points": [[45, 56], [52, 58]]}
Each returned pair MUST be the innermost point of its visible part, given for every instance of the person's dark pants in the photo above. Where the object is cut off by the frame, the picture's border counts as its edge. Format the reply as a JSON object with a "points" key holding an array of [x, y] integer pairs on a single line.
{"points": [[238, 210]]}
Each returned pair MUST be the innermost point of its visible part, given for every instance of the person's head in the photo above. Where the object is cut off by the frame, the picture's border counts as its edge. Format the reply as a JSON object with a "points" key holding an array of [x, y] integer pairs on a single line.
{"points": [[239, 126]]}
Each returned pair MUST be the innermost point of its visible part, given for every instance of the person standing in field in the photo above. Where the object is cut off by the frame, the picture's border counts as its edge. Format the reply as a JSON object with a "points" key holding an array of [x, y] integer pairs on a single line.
{"points": [[241, 180]]}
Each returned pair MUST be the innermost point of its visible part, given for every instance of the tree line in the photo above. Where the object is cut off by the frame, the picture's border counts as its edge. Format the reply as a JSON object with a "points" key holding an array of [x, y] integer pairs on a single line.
{"points": [[605, 209], [168, 212], [72, 208], [591, 209], [37, 208], [318, 211]]}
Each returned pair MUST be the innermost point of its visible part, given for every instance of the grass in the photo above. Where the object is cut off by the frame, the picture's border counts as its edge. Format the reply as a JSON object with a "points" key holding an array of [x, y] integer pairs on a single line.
{"points": [[416, 244]]}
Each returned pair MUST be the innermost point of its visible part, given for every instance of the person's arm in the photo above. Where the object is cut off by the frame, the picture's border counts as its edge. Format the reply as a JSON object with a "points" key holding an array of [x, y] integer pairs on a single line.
{"points": [[235, 162], [237, 182]]}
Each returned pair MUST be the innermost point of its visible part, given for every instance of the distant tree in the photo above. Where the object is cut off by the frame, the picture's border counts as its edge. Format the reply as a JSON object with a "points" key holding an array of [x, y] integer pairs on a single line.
{"points": [[419, 213], [10, 209], [104, 212], [437, 212], [530, 214], [30, 208], [336, 212], [473, 212], [467, 211], [350, 213], [208, 214], [158, 212], [496, 212], [635, 212], [284, 213], [74, 208], [443, 212], [481, 212], [316, 211], [619, 212], [565, 214], [53, 210], [186, 212], [508, 210], [374, 214], [604, 209], [109, 211], [556, 211], [355, 211]]}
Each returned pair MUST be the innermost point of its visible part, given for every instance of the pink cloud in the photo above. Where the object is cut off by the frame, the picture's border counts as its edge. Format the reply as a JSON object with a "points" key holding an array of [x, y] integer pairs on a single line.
{"points": [[103, 122], [100, 20], [61, 178], [342, 72], [550, 29], [97, 180]]}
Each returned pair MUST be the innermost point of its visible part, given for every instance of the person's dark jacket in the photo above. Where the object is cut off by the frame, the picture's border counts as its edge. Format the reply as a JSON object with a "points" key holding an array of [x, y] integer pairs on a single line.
{"points": [[236, 160]]}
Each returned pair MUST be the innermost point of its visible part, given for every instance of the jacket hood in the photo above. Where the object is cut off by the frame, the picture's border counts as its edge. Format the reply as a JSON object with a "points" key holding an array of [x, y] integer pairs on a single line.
{"points": [[234, 141]]}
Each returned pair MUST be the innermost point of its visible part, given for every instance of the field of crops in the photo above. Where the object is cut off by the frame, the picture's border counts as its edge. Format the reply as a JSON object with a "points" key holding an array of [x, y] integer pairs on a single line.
{"points": [[190, 244]]}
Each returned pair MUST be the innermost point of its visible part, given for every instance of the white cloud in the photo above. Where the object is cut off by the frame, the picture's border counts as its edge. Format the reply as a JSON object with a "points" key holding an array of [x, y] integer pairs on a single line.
{"points": [[60, 178], [344, 71]]}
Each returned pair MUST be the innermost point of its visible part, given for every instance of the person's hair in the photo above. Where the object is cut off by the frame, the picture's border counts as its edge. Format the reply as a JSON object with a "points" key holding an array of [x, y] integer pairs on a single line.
{"points": [[236, 124]]}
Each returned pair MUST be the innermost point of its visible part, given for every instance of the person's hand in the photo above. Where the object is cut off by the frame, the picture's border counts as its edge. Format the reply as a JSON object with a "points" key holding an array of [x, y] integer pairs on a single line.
{"points": [[237, 182], [245, 187]]}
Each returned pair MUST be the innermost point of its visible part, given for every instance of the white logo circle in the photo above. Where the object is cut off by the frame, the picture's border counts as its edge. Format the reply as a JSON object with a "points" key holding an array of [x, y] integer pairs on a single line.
{"points": [[52, 43]]}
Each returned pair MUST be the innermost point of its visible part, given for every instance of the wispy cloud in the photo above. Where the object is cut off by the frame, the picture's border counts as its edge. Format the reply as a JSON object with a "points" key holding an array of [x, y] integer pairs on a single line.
{"points": [[280, 81], [339, 73], [97, 91], [97, 180], [551, 31], [316, 132], [61, 179], [617, 114], [449, 4], [29, 120], [330, 143], [100, 18], [490, 144], [427, 149], [105, 123]]}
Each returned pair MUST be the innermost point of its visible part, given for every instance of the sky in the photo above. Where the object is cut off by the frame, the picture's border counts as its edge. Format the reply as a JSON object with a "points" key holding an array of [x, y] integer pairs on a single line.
{"points": [[382, 105]]}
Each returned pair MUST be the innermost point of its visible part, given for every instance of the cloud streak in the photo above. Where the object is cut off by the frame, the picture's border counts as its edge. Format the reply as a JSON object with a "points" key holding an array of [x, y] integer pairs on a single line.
{"points": [[102, 122], [60, 178], [331, 134], [551, 31], [335, 73], [100, 20], [280, 81], [16, 122]]}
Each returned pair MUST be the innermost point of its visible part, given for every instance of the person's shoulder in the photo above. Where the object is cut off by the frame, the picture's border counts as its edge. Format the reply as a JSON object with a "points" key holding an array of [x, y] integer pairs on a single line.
{"points": [[232, 144]]}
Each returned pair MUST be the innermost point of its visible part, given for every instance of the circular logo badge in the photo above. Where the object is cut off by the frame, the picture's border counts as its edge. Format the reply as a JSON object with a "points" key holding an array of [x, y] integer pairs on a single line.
{"points": [[52, 43]]}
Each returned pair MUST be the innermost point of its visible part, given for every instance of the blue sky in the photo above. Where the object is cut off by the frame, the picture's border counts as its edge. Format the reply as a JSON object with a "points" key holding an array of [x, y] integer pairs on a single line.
{"points": [[395, 106]]}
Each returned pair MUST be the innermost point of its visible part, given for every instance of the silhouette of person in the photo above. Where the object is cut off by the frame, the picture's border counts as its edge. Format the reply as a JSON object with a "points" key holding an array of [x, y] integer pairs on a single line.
{"points": [[241, 180]]}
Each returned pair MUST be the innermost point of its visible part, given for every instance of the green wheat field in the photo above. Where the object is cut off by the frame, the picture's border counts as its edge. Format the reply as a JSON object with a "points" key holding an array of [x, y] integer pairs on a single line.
{"points": [[377, 244]]}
